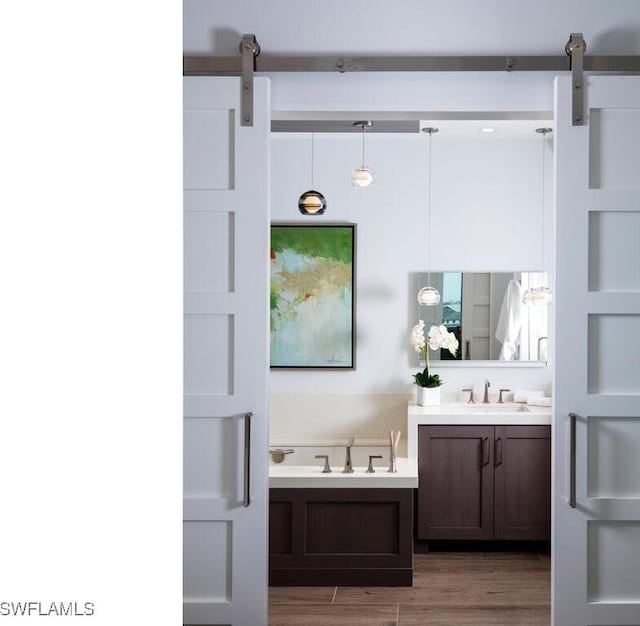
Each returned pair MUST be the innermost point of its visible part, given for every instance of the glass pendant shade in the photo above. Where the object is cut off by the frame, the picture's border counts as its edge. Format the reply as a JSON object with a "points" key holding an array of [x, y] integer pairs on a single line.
{"points": [[312, 203], [429, 296], [537, 296], [362, 177], [540, 295]]}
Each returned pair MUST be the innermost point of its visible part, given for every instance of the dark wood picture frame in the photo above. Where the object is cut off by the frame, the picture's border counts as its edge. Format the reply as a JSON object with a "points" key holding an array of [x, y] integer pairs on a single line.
{"points": [[325, 259]]}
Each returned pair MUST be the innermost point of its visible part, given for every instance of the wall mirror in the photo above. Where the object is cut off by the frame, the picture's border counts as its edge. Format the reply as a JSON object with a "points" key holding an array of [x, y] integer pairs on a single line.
{"points": [[486, 313]]}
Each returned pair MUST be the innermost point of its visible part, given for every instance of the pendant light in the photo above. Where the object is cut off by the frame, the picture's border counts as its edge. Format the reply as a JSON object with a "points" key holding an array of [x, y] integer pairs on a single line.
{"points": [[363, 176], [312, 202], [540, 295], [429, 296]]}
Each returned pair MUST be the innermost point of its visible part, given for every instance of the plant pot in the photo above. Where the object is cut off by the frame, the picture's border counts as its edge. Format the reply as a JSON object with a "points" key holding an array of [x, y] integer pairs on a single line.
{"points": [[428, 396]]}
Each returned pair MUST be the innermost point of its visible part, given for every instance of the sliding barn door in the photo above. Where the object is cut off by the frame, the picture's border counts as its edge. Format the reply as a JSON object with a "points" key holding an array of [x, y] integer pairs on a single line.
{"points": [[596, 526], [226, 333]]}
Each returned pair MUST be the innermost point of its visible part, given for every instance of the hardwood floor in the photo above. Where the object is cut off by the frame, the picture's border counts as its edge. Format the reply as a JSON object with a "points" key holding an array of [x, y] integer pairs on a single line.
{"points": [[449, 589]]}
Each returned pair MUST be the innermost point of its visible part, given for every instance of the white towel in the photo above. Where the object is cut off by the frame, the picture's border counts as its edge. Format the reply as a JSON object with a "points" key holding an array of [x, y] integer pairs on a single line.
{"points": [[521, 395], [538, 401], [510, 321]]}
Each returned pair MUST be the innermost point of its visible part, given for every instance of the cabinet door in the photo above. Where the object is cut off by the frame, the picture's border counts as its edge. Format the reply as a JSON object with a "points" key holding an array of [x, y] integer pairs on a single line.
{"points": [[522, 459], [455, 471]]}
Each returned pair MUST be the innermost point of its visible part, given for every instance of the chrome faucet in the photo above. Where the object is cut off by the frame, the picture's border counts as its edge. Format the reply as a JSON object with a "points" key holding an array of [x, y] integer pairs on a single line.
{"points": [[540, 340], [487, 384], [348, 467]]}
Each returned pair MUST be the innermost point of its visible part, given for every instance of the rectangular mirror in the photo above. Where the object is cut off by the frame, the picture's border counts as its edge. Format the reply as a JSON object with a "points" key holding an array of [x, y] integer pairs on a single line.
{"points": [[486, 313]]}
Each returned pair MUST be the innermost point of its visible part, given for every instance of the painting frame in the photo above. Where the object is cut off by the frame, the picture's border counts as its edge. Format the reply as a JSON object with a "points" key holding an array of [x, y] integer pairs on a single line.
{"points": [[343, 235]]}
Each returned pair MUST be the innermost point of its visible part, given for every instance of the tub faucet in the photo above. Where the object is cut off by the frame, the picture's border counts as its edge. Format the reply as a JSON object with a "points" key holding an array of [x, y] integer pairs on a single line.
{"points": [[348, 467], [487, 384], [540, 340]]}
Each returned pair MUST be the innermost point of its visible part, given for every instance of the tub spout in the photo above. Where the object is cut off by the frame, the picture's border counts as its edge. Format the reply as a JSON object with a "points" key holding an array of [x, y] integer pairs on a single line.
{"points": [[348, 466]]}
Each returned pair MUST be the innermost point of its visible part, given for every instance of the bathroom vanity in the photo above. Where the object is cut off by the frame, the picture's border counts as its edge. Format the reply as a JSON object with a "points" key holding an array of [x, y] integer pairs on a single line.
{"points": [[341, 529], [484, 471]]}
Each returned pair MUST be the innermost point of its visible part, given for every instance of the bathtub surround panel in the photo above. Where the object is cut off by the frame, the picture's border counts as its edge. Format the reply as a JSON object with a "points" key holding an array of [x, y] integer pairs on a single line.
{"points": [[347, 537], [318, 416]]}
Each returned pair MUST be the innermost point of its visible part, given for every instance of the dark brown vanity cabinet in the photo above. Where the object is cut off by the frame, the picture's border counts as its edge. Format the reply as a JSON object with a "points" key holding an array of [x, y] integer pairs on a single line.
{"points": [[484, 482]]}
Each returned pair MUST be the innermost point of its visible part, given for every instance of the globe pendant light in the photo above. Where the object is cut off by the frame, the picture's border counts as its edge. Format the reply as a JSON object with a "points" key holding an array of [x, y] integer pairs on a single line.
{"points": [[363, 176], [312, 202], [429, 296], [540, 295]]}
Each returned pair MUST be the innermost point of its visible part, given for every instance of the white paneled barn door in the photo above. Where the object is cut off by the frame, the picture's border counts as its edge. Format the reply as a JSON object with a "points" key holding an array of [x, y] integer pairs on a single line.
{"points": [[596, 517], [226, 333]]}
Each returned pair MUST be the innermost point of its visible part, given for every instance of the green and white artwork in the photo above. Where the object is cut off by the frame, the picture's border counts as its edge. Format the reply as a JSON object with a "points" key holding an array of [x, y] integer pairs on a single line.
{"points": [[312, 285]]}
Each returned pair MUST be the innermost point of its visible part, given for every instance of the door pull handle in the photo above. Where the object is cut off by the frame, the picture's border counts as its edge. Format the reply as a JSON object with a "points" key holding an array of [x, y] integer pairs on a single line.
{"points": [[247, 460], [498, 452], [572, 460], [485, 451]]}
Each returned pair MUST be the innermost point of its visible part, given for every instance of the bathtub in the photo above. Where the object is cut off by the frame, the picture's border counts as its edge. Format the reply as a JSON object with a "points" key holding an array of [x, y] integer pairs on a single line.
{"points": [[341, 529], [302, 470]]}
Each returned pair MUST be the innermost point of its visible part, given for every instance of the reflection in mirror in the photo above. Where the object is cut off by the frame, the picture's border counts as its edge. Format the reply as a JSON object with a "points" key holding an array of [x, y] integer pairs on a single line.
{"points": [[486, 313]]}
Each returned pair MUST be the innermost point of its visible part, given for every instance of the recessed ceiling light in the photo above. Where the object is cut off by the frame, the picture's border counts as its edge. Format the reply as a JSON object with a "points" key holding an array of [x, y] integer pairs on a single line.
{"points": [[487, 130]]}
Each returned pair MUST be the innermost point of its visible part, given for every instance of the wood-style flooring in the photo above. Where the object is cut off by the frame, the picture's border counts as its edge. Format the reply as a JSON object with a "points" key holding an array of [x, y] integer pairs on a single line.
{"points": [[449, 589]]}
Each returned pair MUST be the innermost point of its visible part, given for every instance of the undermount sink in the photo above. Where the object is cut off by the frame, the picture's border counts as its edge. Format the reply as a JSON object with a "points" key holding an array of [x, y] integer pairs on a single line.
{"points": [[461, 409]]}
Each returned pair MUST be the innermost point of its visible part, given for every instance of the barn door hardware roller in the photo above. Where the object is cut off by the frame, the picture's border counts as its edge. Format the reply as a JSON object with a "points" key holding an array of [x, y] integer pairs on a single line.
{"points": [[248, 62], [575, 48], [249, 49]]}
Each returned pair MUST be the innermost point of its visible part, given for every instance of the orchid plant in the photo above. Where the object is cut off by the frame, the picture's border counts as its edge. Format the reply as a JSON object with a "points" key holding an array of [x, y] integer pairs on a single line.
{"points": [[438, 337]]}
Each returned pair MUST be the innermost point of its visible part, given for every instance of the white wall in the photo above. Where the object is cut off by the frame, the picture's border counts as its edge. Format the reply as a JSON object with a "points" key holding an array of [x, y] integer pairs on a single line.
{"points": [[422, 27], [486, 216]]}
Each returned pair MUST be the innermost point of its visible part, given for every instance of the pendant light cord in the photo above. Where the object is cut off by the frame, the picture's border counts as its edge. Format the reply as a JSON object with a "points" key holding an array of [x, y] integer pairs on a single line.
{"points": [[311, 159], [544, 136], [429, 215], [362, 146]]}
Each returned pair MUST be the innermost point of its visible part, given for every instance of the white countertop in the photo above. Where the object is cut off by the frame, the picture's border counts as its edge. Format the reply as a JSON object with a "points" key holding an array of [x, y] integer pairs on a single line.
{"points": [[458, 414], [308, 476]]}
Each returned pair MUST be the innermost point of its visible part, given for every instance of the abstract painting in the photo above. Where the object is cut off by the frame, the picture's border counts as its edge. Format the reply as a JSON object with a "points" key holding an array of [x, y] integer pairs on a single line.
{"points": [[312, 296]]}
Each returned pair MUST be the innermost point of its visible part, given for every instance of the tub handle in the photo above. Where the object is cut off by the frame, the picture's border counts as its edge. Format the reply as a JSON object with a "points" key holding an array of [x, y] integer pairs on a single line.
{"points": [[370, 469], [327, 467]]}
